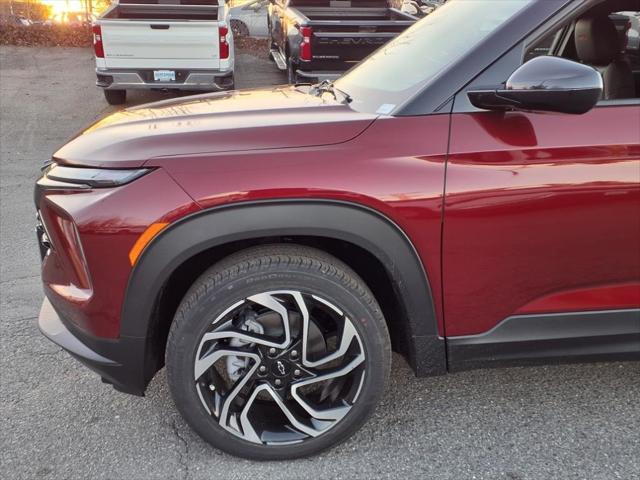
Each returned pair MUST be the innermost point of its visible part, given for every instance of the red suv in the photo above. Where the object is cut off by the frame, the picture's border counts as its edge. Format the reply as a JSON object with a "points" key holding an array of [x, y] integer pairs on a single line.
{"points": [[468, 196]]}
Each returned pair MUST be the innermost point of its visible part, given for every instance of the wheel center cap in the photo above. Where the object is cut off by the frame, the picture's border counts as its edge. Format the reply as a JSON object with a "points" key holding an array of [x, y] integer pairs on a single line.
{"points": [[280, 368]]}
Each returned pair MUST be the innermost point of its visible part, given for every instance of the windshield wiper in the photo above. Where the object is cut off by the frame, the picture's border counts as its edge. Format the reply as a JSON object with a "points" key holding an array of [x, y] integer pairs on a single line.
{"points": [[327, 86]]}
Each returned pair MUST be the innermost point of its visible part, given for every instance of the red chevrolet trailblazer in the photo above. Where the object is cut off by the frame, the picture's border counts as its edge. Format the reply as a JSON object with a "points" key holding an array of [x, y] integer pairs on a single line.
{"points": [[466, 196]]}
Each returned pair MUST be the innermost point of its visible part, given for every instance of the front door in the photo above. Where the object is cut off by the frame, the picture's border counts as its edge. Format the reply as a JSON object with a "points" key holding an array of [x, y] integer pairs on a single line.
{"points": [[542, 228]]}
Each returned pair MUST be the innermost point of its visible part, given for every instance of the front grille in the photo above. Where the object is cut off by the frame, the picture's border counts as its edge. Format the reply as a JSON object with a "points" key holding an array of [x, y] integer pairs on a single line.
{"points": [[44, 242]]}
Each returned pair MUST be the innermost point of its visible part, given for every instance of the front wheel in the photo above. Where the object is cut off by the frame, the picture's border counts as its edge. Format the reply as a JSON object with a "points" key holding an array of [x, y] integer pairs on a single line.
{"points": [[278, 352]]}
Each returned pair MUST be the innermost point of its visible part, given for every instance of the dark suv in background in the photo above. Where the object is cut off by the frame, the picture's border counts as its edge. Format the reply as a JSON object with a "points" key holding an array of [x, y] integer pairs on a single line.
{"points": [[464, 196]]}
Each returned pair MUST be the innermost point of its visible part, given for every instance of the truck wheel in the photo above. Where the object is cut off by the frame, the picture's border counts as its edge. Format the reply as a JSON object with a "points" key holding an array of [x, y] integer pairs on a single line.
{"points": [[115, 97], [292, 74], [239, 29], [272, 43], [277, 352]]}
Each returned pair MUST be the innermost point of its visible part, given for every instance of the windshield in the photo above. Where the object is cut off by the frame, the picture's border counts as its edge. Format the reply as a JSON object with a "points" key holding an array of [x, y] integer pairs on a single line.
{"points": [[404, 66]]}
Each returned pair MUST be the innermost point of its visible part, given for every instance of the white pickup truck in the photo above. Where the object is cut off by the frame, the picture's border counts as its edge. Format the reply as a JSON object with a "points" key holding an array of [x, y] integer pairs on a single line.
{"points": [[163, 44]]}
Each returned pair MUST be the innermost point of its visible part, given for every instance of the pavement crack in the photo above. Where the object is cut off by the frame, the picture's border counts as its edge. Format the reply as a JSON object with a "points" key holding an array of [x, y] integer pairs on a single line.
{"points": [[48, 353], [17, 279], [24, 319], [182, 456]]}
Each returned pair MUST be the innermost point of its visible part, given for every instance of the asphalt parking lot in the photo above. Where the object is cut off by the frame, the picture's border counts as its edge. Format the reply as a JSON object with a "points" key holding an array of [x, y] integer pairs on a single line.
{"points": [[60, 421]]}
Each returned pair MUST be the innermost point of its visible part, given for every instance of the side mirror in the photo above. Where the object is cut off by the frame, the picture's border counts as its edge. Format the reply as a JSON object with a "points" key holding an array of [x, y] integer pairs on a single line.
{"points": [[545, 84]]}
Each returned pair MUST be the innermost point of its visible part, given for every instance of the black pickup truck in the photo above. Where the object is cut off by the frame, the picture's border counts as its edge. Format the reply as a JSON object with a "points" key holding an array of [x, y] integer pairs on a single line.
{"points": [[321, 39]]}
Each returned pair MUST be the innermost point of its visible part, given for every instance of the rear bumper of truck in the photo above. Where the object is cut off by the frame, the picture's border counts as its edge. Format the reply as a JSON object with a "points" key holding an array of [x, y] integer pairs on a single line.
{"points": [[318, 75], [142, 79]]}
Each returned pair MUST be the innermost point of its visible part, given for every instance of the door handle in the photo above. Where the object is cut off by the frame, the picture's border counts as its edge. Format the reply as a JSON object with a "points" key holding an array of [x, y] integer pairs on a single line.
{"points": [[159, 26]]}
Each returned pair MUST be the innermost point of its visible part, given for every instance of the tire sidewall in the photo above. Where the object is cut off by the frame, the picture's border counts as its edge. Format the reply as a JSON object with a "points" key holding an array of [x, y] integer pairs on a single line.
{"points": [[292, 75], [115, 97], [240, 27], [197, 320]]}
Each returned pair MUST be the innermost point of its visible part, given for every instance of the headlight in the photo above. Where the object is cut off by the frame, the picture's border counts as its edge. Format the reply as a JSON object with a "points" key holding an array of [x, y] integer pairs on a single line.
{"points": [[79, 177]]}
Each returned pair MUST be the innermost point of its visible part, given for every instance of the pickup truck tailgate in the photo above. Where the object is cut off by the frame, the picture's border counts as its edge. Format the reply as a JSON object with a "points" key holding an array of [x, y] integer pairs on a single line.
{"points": [[346, 31], [352, 41], [156, 44]]}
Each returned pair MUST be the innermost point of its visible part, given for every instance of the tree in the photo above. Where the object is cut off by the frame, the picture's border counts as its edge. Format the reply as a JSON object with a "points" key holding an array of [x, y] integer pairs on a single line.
{"points": [[31, 9], [99, 6]]}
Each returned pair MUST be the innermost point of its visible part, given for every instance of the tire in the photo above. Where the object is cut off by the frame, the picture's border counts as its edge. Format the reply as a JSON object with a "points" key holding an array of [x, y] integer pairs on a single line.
{"points": [[239, 28], [292, 74], [272, 43], [232, 85], [280, 277], [115, 97]]}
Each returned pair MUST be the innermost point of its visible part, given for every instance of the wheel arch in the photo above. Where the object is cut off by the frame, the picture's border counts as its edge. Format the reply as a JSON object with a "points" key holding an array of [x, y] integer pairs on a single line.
{"points": [[326, 222]]}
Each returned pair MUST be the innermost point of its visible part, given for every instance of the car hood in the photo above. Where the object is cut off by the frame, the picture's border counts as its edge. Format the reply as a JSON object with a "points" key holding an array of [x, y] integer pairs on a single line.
{"points": [[282, 117]]}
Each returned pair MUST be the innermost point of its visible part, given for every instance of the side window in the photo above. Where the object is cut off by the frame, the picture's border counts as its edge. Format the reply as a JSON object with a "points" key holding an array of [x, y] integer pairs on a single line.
{"points": [[608, 41], [543, 47], [628, 26], [618, 64], [253, 6]]}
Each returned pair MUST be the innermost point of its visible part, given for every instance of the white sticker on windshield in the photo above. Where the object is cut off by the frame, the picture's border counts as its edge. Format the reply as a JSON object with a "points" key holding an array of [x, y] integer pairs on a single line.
{"points": [[386, 108]]}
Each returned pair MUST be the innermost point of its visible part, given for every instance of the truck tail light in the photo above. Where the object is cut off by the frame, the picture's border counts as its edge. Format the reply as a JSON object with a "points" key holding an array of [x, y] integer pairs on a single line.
{"points": [[305, 45], [98, 46], [224, 44]]}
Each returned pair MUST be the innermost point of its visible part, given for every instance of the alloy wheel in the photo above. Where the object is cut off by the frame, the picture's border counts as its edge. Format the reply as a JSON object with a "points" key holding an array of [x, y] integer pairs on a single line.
{"points": [[279, 367]]}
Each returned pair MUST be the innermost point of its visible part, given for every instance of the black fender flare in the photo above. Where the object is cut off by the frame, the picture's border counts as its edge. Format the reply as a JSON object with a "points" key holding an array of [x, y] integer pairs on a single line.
{"points": [[338, 220]]}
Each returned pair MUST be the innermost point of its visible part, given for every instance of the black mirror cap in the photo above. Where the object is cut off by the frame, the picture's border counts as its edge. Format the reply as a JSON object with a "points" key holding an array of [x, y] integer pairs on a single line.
{"points": [[554, 73], [545, 84]]}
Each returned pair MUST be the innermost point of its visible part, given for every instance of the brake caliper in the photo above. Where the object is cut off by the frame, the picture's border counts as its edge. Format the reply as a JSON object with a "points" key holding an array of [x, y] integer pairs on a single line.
{"points": [[237, 366]]}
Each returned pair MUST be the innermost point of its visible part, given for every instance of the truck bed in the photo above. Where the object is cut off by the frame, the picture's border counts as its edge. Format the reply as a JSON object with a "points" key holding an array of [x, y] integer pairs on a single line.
{"points": [[343, 15], [145, 10]]}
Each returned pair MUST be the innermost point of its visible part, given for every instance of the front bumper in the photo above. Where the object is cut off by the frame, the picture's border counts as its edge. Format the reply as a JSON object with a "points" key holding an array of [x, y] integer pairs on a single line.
{"points": [[86, 237], [118, 362], [192, 80]]}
